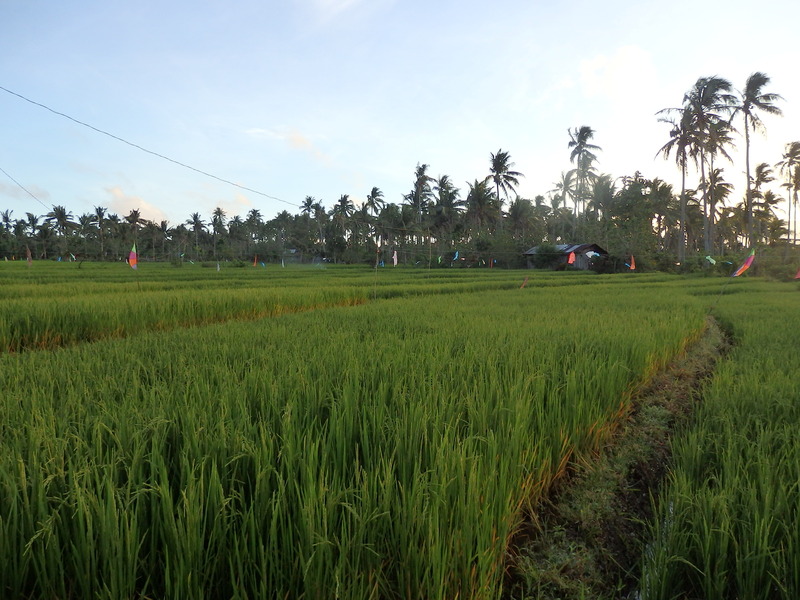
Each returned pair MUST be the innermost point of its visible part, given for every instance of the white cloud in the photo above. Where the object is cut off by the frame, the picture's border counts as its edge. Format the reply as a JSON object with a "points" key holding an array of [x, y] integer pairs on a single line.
{"points": [[18, 193], [122, 204], [292, 138]]}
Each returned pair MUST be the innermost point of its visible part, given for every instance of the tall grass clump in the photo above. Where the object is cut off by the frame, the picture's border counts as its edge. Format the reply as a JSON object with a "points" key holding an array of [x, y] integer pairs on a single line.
{"points": [[727, 526], [386, 450]]}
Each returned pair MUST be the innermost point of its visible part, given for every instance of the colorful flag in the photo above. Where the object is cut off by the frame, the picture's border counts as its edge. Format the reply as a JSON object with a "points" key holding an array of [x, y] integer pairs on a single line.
{"points": [[28, 256], [746, 264], [571, 258], [394, 258], [633, 263], [133, 258]]}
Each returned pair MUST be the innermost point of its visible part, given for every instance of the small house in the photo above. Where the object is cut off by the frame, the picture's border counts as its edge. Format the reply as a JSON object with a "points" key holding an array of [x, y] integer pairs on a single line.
{"points": [[578, 255]]}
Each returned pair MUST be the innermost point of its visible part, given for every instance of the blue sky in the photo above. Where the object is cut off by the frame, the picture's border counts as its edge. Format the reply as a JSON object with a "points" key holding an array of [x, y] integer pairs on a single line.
{"points": [[332, 97]]}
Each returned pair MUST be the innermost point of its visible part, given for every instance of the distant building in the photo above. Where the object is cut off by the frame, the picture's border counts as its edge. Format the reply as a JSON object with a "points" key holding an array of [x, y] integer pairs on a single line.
{"points": [[583, 255]]}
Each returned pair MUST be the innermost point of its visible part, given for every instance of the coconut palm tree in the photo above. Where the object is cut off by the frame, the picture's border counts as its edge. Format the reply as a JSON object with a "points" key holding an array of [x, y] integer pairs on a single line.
{"points": [[447, 207], [565, 188], [374, 201], [217, 228], [718, 191], [342, 212], [64, 225], [583, 156], [520, 218], [134, 219], [198, 226], [100, 219], [753, 100], [419, 196], [681, 139], [790, 169], [709, 103], [483, 207], [500, 173]]}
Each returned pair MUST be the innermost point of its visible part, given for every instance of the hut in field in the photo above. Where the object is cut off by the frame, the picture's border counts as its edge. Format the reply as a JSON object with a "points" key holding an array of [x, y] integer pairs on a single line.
{"points": [[578, 256]]}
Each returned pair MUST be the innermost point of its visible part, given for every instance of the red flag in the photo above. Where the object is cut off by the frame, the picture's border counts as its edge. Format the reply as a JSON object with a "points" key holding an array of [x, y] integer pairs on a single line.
{"points": [[133, 258], [571, 258]]}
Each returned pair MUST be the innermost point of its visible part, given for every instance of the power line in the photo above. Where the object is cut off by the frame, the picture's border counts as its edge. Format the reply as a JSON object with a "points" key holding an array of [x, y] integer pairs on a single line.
{"points": [[143, 149], [26, 190]]}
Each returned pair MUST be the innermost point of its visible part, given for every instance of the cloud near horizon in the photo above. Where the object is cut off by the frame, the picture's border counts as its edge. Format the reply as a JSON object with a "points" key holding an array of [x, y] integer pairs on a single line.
{"points": [[292, 138], [16, 192], [122, 204]]}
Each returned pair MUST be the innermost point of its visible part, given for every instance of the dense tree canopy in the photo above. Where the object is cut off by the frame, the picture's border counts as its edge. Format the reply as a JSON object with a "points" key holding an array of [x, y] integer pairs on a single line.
{"points": [[486, 220]]}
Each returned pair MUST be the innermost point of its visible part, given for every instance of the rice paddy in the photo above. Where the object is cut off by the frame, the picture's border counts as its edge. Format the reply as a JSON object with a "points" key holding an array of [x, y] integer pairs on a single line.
{"points": [[319, 433]]}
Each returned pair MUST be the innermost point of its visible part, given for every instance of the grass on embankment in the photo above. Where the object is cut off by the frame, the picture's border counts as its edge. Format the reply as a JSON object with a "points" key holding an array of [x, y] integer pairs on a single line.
{"points": [[586, 540]]}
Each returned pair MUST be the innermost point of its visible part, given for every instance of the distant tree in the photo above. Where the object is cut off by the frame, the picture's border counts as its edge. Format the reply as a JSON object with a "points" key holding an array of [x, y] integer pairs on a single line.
{"points": [[374, 201], [500, 172], [198, 226], [64, 225], [583, 156], [483, 207], [790, 169], [217, 228], [753, 100], [419, 196], [681, 139]]}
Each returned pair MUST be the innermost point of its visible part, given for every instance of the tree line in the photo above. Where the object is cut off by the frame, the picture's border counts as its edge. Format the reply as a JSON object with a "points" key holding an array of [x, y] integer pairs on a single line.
{"points": [[486, 221]]}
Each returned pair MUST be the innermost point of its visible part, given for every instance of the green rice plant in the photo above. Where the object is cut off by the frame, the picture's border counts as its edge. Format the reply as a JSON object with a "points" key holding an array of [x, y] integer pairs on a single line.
{"points": [[380, 450], [726, 526]]}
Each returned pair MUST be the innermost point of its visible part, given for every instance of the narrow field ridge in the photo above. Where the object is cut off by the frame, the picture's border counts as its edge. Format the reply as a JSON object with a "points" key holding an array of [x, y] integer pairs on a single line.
{"points": [[586, 539]]}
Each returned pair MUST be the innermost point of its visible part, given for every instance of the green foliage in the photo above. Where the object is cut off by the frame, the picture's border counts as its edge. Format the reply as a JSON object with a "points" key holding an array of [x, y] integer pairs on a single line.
{"points": [[547, 257], [727, 526], [374, 450]]}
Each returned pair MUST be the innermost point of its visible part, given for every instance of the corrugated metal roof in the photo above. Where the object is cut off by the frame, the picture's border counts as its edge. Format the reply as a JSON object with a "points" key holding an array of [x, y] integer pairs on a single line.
{"points": [[576, 248]]}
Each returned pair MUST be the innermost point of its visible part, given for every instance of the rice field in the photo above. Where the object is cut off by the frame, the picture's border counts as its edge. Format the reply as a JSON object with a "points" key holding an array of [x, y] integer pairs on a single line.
{"points": [[727, 525], [308, 433]]}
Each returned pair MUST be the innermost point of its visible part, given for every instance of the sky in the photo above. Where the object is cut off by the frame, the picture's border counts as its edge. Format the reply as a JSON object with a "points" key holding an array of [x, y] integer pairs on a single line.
{"points": [[329, 97]]}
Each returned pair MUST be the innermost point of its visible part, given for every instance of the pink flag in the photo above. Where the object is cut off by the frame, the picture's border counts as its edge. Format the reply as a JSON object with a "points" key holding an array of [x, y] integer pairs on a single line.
{"points": [[798, 274], [746, 264], [571, 258], [633, 263]]}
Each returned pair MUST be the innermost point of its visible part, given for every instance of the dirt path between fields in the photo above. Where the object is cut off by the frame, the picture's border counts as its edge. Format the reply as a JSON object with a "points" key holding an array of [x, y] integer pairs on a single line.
{"points": [[586, 539]]}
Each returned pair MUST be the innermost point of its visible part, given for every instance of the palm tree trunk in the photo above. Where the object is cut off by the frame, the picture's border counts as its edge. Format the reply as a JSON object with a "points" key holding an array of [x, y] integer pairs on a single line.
{"points": [[748, 200], [682, 241], [705, 200]]}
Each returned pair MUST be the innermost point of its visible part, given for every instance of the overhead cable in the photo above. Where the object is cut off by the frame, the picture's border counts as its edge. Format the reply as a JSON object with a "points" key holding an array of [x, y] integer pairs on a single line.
{"points": [[143, 149]]}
